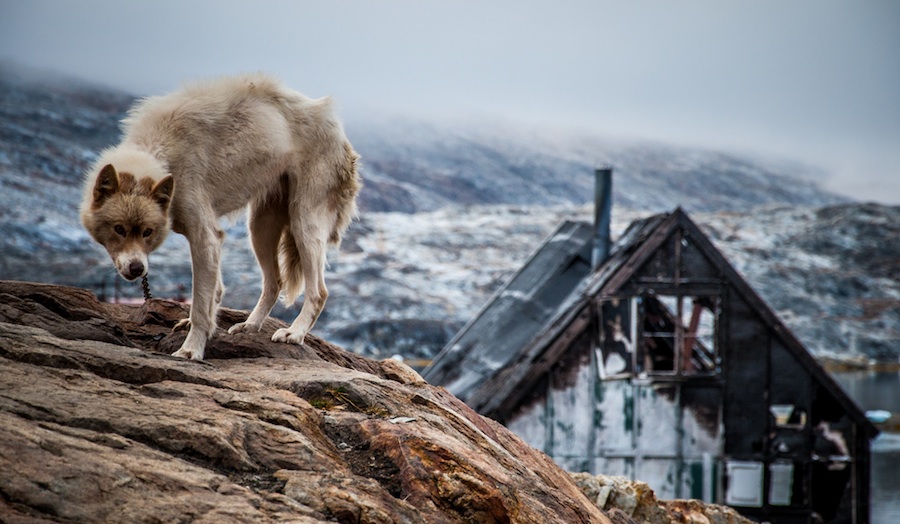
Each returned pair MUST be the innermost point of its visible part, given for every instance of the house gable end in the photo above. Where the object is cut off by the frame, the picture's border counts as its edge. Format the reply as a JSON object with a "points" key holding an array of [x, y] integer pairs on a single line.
{"points": [[785, 336], [703, 265], [636, 265]]}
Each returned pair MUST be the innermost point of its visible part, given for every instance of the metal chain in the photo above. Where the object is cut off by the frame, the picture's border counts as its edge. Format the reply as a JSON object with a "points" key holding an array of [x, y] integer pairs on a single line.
{"points": [[146, 285]]}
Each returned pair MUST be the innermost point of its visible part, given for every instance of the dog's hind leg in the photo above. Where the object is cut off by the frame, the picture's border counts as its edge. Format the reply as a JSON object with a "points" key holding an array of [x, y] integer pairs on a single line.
{"points": [[206, 250], [266, 223], [312, 241]]}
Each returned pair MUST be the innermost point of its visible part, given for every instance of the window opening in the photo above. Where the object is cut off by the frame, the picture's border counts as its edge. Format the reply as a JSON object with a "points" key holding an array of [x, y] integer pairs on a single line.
{"points": [[679, 334], [616, 338], [788, 416]]}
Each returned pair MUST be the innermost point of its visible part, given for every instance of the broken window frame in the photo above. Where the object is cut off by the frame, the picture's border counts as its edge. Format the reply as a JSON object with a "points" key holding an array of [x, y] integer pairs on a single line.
{"points": [[606, 337], [674, 327], [788, 416]]}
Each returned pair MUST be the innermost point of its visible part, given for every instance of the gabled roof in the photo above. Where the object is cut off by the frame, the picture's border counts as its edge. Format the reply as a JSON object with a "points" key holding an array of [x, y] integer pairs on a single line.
{"points": [[504, 388], [493, 363]]}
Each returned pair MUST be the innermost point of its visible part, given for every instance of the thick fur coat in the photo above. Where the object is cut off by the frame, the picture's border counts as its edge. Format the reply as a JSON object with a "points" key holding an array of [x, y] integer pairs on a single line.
{"points": [[213, 149]]}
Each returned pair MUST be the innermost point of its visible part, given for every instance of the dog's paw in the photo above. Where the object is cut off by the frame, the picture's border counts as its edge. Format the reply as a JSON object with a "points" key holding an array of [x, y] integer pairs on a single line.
{"points": [[288, 336], [182, 324], [191, 354], [244, 327]]}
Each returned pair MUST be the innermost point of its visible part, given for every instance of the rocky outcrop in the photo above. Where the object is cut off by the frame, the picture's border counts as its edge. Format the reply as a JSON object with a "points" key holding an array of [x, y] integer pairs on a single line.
{"points": [[99, 424], [624, 499]]}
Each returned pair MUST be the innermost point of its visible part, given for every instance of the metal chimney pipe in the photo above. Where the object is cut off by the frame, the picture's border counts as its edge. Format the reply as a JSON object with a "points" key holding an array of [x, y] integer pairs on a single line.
{"points": [[602, 215]]}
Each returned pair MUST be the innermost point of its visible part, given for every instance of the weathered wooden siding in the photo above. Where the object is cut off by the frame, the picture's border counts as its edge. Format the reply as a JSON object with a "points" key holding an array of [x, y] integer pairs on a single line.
{"points": [[745, 373], [668, 435]]}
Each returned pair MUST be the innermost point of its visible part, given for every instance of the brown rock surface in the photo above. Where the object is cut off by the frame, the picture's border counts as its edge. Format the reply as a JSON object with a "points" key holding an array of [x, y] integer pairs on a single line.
{"points": [[99, 424]]}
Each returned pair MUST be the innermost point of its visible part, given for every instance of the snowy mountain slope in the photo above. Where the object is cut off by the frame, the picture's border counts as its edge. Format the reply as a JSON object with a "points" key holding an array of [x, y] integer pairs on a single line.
{"points": [[831, 273], [405, 283], [51, 128]]}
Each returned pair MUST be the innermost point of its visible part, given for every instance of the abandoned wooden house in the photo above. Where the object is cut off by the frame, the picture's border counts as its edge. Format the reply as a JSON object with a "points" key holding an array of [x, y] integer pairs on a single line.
{"points": [[652, 358]]}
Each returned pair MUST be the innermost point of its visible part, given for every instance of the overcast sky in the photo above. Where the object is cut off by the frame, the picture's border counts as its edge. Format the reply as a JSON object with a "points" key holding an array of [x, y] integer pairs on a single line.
{"points": [[812, 80]]}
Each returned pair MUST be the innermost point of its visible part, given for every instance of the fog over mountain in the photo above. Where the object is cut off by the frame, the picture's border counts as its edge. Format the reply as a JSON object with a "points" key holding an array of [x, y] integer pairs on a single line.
{"points": [[809, 79], [419, 166]]}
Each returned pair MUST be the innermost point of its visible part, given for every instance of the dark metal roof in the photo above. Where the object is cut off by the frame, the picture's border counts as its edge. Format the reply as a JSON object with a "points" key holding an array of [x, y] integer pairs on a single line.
{"points": [[516, 313]]}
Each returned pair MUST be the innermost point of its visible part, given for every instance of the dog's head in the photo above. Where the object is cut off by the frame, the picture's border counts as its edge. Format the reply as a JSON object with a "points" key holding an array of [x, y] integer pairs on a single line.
{"points": [[129, 217]]}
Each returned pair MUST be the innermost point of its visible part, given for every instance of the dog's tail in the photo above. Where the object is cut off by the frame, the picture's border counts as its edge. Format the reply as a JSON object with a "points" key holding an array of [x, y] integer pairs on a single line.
{"points": [[291, 268], [342, 203], [343, 196]]}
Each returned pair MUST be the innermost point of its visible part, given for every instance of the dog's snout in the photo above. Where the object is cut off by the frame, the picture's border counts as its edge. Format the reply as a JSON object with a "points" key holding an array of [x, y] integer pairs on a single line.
{"points": [[135, 268]]}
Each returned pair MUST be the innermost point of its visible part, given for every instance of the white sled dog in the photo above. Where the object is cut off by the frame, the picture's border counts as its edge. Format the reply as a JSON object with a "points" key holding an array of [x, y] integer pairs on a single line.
{"points": [[208, 150]]}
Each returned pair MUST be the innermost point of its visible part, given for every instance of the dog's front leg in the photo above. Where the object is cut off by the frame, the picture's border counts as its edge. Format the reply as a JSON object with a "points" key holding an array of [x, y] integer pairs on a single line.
{"points": [[206, 249]]}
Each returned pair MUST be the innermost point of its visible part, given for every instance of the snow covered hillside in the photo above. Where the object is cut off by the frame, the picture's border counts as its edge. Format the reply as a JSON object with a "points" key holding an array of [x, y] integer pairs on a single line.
{"points": [[831, 273], [450, 211]]}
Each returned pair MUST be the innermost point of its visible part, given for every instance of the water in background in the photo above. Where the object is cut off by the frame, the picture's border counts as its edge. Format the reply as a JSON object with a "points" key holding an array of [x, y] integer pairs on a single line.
{"points": [[880, 390]]}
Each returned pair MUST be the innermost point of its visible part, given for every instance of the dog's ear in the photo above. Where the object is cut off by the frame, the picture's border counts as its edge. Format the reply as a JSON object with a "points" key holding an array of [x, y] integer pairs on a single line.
{"points": [[107, 185], [162, 192]]}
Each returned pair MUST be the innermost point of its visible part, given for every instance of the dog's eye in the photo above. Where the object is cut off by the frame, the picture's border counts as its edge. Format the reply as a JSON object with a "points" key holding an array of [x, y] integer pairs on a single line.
{"points": [[148, 232], [120, 230]]}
